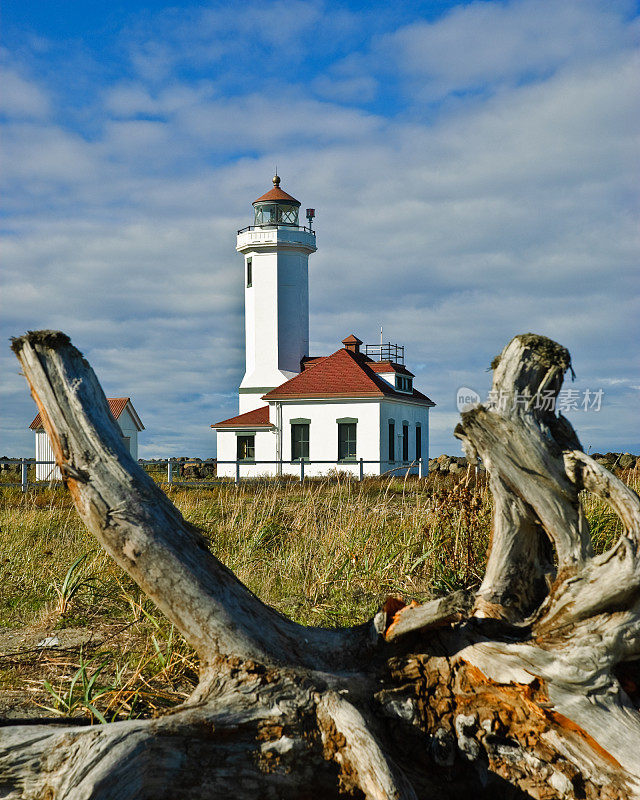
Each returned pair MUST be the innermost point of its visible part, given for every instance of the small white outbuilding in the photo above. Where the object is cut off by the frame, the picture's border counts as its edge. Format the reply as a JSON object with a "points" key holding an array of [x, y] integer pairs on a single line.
{"points": [[124, 414]]}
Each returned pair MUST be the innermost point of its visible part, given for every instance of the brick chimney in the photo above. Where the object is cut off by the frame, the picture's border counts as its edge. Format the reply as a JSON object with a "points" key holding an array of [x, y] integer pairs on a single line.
{"points": [[352, 343]]}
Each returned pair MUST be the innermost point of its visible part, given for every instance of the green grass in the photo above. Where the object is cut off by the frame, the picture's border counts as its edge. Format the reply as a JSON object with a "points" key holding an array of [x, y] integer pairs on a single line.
{"points": [[324, 553]]}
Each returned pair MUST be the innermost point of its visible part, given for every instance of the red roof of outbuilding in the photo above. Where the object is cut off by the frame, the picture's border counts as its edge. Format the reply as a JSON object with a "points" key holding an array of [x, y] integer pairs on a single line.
{"points": [[342, 374], [116, 405], [258, 418]]}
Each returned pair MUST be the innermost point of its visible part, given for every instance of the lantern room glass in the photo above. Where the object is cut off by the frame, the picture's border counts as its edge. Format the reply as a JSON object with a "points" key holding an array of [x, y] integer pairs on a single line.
{"points": [[275, 214]]}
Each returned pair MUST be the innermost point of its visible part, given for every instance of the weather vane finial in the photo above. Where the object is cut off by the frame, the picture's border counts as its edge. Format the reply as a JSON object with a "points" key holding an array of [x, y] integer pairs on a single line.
{"points": [[276, 177]]}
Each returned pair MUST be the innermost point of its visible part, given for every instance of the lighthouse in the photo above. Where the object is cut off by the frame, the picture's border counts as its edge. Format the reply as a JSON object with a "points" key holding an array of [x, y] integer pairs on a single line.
{"points": [[355, 410], [276, 250]]}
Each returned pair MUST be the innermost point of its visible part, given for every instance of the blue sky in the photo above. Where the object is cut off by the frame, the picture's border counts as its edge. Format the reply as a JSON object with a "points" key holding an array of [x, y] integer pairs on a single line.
{"points": [[472, 166]]}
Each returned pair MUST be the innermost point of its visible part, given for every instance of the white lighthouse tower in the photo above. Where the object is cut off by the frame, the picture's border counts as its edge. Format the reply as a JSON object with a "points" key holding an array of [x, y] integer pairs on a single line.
{"points": [[276, 253]]}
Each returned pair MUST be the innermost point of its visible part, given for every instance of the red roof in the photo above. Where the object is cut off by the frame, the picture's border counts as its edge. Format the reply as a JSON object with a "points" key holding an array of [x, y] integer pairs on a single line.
{"points": [[352, 339], [276, 194], [116, 405], [390, 366], [342, 374], [309, 361], [258, 418]]}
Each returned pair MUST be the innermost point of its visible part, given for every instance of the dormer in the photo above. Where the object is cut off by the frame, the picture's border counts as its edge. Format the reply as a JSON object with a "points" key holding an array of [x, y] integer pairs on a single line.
{"points": [[396, 375]]}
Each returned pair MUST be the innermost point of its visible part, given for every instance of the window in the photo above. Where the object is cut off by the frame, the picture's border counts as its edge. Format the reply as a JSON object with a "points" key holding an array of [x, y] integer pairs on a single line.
{"points": [[405, 441], [392, 440], [276, 214], [346, 441], [404, 384], [249, 273], [300, 442], [418, 442], [127, 443], [265, 215], [246, 448], [288, 215]]}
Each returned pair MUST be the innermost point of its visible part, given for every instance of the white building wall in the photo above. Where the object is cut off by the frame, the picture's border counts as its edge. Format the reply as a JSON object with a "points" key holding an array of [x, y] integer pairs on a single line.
{"points": [[265, 450], [293, 309], [371, 438], [401, 412], [276, 309], [129, 429], [44, 452], [323, 434]]}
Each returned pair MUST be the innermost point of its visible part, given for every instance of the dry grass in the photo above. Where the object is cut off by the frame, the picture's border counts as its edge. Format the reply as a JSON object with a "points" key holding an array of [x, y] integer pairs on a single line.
{"points": [[325, 553]]}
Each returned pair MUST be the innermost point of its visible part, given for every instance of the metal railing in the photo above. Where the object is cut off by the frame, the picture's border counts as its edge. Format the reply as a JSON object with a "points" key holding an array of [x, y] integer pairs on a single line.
{"points": [[422, 465], [275, 226], [23, 470], [385, 352], [176, 466]]}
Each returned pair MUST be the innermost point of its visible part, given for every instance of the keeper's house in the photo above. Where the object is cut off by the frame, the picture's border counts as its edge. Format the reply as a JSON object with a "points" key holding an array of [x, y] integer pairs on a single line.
{"points": [[124, 414], [353, 404]]}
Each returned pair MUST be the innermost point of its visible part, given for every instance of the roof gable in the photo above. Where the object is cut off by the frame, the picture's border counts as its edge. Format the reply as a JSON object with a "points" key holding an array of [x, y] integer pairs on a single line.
{"points": [[342, 374], [387, 367], [116, 405], [258, 418]]}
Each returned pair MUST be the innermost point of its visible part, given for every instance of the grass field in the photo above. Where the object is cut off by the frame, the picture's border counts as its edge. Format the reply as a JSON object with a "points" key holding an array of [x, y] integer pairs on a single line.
{"points": [[324, 553]]}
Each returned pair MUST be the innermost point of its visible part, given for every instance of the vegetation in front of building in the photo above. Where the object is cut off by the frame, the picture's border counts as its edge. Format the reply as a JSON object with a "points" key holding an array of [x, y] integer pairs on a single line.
{"points": [[78, 638]]}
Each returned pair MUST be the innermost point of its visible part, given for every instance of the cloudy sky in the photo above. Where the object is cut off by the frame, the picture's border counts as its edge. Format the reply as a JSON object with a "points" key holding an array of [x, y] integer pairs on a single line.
{"points": [[473, 167]]}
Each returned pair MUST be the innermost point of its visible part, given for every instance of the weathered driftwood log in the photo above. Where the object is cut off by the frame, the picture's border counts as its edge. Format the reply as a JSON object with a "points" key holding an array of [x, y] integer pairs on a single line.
{"points": [[514, 692]]}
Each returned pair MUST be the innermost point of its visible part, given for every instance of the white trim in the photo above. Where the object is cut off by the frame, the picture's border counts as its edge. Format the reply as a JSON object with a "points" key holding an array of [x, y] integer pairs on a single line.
{"points": [[368, 399], [134, 415]]}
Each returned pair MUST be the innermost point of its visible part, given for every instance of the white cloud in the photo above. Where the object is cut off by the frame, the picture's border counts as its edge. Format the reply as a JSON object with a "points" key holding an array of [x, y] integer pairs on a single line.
{"points": [[481, 45], [21, 98], [496, 216]]}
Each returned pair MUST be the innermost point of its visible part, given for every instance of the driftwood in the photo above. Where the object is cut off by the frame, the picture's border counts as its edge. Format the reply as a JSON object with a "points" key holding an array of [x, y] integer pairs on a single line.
{"points": [[524, 689]]}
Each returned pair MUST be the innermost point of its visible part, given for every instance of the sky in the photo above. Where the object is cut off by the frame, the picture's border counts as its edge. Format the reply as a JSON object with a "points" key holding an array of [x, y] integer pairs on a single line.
{"points": [[473, 167]]}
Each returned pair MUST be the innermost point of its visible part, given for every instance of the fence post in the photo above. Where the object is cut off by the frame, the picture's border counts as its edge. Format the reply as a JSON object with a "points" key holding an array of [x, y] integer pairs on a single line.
{"points": [[24, 485], [421, 467], [361, 472], [170, 471], [302, 470], [237, 481]]}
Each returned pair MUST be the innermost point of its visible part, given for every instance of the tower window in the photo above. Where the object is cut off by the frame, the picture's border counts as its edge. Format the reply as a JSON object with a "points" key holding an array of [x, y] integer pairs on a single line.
{"points": [[246, 448], [300, 442], [346, 441], [249, 273], [392, 440]]}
